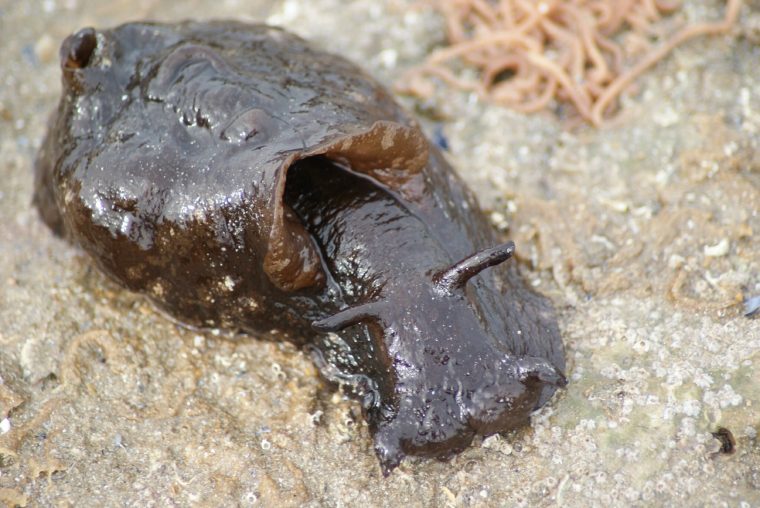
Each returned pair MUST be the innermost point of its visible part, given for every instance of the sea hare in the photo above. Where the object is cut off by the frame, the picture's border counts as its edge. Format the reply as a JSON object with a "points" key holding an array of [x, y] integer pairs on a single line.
{"points": [[242, 179]]}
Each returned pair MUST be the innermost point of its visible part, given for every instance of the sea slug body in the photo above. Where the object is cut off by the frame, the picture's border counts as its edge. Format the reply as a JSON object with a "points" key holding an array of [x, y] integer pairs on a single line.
{"points": [[242, 179]]}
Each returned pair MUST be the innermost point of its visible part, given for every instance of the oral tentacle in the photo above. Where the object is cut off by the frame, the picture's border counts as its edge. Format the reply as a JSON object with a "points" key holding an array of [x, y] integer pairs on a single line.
{"points": [[540, 369], [388, 450]]}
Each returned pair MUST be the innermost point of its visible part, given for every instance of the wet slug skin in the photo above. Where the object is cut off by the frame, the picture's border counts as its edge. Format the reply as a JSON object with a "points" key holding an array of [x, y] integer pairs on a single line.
{"points": [[241, 179]]}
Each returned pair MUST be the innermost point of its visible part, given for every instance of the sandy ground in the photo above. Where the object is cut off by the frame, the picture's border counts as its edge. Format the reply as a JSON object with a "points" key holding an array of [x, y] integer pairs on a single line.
{"points": [[646, 235]]}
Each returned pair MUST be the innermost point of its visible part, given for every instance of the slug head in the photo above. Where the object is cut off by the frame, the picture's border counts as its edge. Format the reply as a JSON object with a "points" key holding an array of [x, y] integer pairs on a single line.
{"points": [[454, 378], [442, 421]]}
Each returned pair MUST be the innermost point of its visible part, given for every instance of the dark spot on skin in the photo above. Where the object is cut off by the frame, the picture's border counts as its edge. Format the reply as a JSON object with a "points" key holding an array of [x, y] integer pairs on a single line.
{"points": [[727, 440], [241, 179]]}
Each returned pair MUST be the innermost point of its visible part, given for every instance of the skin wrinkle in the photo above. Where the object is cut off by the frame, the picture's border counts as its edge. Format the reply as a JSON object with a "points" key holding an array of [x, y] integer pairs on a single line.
{"points": [[529, 54]]}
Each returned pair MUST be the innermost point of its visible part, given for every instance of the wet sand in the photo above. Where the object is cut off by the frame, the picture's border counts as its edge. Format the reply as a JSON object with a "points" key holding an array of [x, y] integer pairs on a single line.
{"points": [[645, 235]]}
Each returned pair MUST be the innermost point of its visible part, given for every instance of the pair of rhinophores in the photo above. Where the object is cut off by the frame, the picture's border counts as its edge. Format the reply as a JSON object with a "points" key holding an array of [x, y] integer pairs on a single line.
{"points": [[241, 179]]}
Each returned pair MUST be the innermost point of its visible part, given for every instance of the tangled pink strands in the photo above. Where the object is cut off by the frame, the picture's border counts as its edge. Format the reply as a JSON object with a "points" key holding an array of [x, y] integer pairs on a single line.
{"points": [[528, 53]]}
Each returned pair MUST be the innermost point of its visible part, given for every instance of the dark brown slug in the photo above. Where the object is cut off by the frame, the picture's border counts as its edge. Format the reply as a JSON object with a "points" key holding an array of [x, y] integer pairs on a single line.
{"points": [[242, 179]]}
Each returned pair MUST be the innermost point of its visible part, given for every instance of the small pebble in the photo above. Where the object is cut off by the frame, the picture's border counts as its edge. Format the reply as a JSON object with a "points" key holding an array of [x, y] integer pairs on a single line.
{"points": [[717, 250], [439, 138], [752, 306], [45, 49]]}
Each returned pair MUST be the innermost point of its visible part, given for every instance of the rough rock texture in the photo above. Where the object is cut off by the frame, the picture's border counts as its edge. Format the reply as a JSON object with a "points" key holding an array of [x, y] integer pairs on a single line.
{"points": [[646, 235]]}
